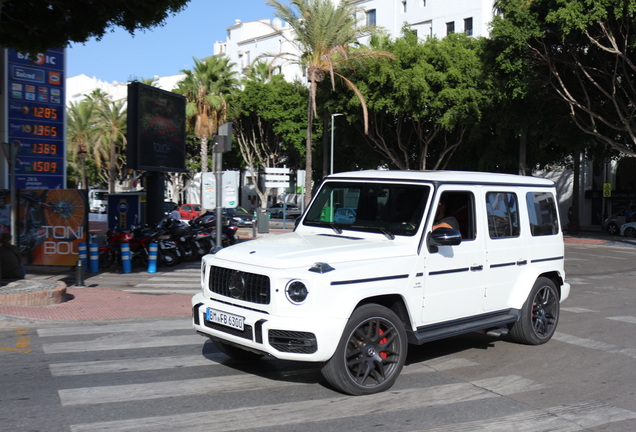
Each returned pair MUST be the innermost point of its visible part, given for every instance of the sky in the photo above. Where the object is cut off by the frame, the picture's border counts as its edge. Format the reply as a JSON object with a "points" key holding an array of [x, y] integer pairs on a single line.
{"points": [[166, 50]]}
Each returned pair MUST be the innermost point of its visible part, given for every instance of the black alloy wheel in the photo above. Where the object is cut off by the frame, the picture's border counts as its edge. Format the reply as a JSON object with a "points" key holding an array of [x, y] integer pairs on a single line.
{"points": [[539, 315], [370, 354]]}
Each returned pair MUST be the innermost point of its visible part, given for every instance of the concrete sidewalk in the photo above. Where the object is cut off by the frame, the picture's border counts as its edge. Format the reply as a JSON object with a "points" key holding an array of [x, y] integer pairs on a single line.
{"points": [[104, 297]]}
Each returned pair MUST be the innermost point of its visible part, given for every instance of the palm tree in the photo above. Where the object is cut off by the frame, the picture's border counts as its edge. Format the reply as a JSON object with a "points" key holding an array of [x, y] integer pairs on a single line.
{"points": [[80, 132], [206, 87], [325, 34], [111, 130]]}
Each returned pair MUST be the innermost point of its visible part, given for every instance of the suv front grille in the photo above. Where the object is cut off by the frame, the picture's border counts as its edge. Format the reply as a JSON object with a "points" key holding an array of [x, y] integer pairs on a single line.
{"points": [[249, 287]]}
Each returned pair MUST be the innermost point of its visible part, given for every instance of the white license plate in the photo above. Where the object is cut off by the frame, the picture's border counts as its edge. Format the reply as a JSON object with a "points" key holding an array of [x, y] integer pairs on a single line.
{"points": [[224, 318]]}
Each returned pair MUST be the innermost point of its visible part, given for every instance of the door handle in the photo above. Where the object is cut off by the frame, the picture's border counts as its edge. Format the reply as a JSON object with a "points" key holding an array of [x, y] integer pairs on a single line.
{"points": [[522, 262], [476, 267]]}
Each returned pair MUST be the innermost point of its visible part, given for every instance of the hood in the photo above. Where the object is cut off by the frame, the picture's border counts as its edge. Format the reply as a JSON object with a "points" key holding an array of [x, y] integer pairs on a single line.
{"points": [[298, 250]]}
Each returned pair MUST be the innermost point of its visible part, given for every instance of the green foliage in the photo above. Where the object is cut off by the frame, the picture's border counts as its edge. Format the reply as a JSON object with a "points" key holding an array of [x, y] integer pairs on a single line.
{"points": [[270, 118], [325, 33], [206, 88], [585, 49], [37, 25], [422, 103]]}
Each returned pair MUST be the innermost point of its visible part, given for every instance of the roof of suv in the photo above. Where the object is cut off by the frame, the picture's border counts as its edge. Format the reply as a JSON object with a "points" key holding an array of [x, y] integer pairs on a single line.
{"points": [[470, 177]]}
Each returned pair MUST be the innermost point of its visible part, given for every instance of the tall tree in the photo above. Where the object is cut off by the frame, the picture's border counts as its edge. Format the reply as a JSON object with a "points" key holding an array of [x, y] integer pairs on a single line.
{"points": [[587, 49], [110, 119], [38, 25], [325, 34], [268, 119], [423, 104], [206, 88], [79, 136]]}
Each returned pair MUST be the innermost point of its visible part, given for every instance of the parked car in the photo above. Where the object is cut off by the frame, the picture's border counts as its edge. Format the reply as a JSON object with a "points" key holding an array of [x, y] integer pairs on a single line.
{"points": [[629, 229], [168, 206], [614, 222], [276, 211], [240, 216], [190, 211], [345, 215]]}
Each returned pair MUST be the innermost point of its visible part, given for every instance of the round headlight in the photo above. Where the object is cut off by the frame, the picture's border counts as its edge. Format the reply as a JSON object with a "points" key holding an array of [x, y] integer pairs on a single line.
{"points": [[296, 292]]}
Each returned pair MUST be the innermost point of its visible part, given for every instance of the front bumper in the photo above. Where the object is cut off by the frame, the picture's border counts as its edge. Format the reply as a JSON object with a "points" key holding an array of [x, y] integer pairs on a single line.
{"points": [[286, 338]]}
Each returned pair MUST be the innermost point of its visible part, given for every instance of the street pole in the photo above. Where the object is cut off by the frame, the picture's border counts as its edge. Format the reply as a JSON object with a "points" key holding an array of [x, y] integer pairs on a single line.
{"points": [[331, 152], [11, 153]]}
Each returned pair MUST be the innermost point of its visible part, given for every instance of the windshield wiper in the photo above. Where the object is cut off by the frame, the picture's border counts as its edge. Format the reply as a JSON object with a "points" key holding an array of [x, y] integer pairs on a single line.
{"points": [[388, 234], [336, 228]]}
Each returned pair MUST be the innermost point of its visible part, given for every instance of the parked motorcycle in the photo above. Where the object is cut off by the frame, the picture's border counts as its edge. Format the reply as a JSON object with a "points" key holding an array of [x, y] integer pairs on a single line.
{"points": [[208, 221]]}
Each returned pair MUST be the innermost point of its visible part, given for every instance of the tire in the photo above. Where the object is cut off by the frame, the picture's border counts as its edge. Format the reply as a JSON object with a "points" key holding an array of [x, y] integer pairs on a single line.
{"points": [[168, 258], [612, 228], [370, 354], [106, 259], [630, 232], [235, 352], [539, 315]]}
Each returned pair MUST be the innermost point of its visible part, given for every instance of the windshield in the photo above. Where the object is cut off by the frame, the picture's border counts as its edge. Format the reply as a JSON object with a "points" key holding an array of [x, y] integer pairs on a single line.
{"points": [[375, 207], [101, 195]]}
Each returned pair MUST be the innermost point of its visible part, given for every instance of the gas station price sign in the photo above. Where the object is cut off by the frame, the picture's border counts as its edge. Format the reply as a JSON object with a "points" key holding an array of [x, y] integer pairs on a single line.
{"points": [[35, 114]]}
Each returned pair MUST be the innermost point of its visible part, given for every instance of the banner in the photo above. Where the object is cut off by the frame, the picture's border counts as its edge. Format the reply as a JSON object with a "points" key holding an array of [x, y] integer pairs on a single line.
{"points": [[51, 224]]}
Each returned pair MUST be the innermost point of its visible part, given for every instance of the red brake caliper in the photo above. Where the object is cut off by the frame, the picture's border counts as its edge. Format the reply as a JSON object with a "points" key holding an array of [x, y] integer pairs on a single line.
{"points": [[382, 341]]}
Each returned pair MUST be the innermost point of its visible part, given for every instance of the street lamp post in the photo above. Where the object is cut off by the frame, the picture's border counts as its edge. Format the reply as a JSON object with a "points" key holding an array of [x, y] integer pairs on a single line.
{"points": [[331, 153]]}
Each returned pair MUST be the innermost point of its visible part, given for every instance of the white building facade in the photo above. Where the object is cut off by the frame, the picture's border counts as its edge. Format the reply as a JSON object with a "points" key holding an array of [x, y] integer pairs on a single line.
{"points": [[246, 42]]}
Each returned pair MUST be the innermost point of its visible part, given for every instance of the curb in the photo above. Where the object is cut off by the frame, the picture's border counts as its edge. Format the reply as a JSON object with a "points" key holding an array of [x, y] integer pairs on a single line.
{"points": [[33, 293]]}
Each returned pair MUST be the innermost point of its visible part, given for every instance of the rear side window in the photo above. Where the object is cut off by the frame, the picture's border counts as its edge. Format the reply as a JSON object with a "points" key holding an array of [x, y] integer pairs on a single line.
{"points": [[542, 214], [503, 214]]}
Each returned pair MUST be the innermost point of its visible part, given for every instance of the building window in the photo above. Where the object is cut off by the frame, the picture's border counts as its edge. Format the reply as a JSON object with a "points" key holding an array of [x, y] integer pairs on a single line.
{"points": [[450, 27], [422, 3], [468, 26], [371, 17], [404, 6]]}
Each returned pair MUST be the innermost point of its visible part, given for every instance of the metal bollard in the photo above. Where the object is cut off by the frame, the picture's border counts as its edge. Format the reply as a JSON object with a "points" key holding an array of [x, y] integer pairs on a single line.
{"points": [[125, 258], [152, 258], [94, 257], [83, 256], [80, 270]]}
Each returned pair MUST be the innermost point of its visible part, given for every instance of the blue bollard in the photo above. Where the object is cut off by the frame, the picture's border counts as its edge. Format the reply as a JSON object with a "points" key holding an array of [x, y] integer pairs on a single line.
{"points": [[152, 258], [94, 257], [125, 257], [83, 255]]}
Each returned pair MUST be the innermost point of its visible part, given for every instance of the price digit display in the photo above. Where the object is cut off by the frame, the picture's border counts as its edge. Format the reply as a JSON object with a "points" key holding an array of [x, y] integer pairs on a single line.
{"points": [[40, 148], [44, 112], [45, 166], [45, 130]]}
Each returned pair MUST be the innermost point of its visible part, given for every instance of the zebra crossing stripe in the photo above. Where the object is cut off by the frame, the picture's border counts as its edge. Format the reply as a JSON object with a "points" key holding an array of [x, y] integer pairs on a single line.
{"points": [[134, 365], [131, 342], [625, 319], [595, 345], [297, 412], [129, 327], [567, 418]]}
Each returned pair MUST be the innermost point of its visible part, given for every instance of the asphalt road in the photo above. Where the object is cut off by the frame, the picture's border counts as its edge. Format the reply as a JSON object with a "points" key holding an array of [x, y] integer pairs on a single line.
{"points": [[157, 375]]}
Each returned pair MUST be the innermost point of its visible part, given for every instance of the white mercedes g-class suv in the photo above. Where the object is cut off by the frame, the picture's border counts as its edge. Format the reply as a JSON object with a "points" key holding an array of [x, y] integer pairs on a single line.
{"points": [[383, 259]]}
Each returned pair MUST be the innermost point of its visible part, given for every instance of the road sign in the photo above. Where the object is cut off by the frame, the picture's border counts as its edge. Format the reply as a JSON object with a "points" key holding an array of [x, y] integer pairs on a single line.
{"points": [[277, 177]]}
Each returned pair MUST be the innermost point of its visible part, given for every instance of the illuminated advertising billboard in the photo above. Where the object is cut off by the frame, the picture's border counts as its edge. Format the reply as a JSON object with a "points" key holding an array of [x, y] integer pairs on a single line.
{"points": [[35, 117], [156, 129]]}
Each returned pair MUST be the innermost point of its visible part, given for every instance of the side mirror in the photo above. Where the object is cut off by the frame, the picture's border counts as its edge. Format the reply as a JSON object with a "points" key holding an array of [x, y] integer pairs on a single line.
{"points": [[443, 237]]}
